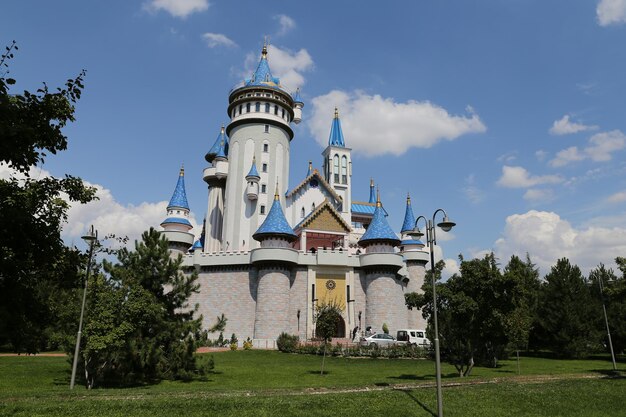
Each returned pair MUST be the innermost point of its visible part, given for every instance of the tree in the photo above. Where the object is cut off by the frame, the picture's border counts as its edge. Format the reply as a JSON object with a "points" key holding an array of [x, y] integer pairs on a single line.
{"points": [[140, 327], [327, 316], [34, 261], [568, 324], [613, 295]]}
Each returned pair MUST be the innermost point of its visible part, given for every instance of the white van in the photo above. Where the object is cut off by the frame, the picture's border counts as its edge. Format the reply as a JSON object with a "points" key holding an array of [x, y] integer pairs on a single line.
{"points": [[415, 337]]}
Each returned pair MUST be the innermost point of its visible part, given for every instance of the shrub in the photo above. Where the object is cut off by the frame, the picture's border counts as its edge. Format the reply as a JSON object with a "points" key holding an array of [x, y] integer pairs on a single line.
{"points": [[233, 346], [287, 342], [385, 328], [247, 345]]}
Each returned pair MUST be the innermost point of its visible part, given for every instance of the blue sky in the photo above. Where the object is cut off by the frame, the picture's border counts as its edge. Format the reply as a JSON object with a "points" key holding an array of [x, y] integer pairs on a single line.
{"points": [[508, 114]]}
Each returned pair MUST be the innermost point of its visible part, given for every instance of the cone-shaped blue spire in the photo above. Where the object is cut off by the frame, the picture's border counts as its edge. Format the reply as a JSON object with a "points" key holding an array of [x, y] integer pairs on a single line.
{"points": [[379, 229], [310, 169], [219, 147], [179, 198], [409, 218], [372, 192], [336, 134], [253, 171], [262, 75], [275, 224], [297, 98]]}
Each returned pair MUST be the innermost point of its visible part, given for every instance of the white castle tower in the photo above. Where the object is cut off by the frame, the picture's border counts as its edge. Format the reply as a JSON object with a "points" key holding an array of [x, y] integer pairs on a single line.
{"points": [[260, 112], [338, 167]]}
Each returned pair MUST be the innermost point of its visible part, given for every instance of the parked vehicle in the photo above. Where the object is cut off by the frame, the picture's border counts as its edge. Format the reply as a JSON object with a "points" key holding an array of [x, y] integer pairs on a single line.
{"points": [[413, 337], [378, 340]]}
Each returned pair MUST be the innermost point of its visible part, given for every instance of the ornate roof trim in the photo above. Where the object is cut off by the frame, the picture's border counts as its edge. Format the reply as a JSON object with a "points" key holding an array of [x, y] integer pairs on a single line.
{"points": [[305, 181], [313, 215]]}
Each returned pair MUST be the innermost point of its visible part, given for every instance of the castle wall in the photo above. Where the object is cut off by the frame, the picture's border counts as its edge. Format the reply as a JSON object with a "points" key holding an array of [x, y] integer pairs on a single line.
{"points": [[384, 302], [272, 307], [417, 274], [298, 298], [231, 291]]}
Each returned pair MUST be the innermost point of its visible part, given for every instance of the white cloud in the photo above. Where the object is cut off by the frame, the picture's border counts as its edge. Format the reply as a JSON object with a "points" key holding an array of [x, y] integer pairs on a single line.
{"points": [[541, 155], [474, 194], [618, 197], [507, 157], [369, 121], [566, 156], [287, 65], [565, 126], [286, 24], [547, 237], [536, 195], [217, 39], [600, 149], [519, 177], [611, 12], [177, 8]]}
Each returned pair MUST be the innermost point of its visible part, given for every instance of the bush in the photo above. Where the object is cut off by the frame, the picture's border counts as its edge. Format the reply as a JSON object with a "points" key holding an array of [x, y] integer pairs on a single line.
{"points": [[233, 346], [247, 345], [287, 342], [385, 328]]}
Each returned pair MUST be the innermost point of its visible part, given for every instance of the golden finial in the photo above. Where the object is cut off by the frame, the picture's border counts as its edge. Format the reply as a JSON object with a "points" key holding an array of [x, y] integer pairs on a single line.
{"points": [[371, 182], [310, 164], [408, 198], [276, 198], [182, 170], [378, 203], [336, 113], [266, 43], [254, 158], [222, 130]]}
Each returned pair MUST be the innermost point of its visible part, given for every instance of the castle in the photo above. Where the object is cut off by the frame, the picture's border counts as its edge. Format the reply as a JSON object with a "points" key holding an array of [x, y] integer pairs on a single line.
{"points": [[268, 255]]}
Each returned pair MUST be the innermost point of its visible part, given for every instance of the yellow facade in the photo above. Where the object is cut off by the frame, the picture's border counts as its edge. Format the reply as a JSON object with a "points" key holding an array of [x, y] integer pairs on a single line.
{"points": [[331, 289]]}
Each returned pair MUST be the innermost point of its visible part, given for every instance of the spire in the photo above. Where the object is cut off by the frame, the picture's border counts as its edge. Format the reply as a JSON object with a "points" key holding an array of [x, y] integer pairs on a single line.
{"points": [[253, 171], [372, 199], [296, 97], [409, 218], [220, 147], [310, 170], [336, 135], [275, 224], [379, 229], [179, 198], [263, 75]]}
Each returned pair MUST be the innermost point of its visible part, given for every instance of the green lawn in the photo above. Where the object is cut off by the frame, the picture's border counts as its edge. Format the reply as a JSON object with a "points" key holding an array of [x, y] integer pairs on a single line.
{"points": [[258, 383]]}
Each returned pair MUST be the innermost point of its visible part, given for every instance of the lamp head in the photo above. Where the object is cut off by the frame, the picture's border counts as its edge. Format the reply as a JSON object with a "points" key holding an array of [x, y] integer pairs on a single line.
{"points": [[446, 225], [416, 233], [91, 236]]}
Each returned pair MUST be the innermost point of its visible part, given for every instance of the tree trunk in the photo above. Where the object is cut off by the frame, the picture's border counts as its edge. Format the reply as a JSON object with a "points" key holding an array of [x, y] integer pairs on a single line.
{"points": [[323, 358], [518, 370]]}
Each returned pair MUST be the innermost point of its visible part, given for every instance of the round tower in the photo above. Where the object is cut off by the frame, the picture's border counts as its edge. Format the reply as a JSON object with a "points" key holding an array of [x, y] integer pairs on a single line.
{"points": [[274, 261], [261, 112], [416, 259], [215, 176], [253, 178], [384, 297], [176, 225]]}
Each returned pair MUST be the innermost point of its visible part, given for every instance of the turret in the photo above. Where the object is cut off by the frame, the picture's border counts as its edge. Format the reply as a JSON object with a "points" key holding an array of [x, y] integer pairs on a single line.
{"points": [[253, 178], [338, 166], [176, 225], [215, 176]]}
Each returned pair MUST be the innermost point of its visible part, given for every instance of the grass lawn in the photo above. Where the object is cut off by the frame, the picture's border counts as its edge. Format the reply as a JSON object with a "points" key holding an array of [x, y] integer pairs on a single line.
{"points": [[258, 383]]}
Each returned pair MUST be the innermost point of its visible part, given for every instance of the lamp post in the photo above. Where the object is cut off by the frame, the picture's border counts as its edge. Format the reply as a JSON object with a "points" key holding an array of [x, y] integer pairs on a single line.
{"points": [[91, 237], [431, 239], [606, 321]]}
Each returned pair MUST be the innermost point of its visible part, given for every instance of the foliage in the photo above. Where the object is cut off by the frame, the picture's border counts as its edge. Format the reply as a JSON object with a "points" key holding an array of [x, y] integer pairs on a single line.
{"points": [[35, 263], [247, 344], [567, 321], [328, 314], [139, 327], [287, 342], [613, 295], [385, 328]]}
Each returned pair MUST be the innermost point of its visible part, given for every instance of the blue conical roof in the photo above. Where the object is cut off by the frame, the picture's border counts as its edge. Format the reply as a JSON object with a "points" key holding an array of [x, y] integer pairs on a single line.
{"points": [[336, 134], [262, 75], [372, 192], [197, 245], [275, 224], [219, 148], [409, 218], [379, 229], [179, 198], [253, 171], [297, 98]]}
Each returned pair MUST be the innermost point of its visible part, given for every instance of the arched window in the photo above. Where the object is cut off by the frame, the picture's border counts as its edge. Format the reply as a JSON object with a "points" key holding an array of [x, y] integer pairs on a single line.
{"points": [[267, 107], [276, 109], [283, 116], [257, 106], [312, 206], [336, 167], [240, 109], [302, 213], [344, 170], [247, 107]]}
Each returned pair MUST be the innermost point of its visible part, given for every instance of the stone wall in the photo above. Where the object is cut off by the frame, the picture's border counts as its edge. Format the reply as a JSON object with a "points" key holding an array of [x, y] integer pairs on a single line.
{"points": [[272, 307], [384, 302]]}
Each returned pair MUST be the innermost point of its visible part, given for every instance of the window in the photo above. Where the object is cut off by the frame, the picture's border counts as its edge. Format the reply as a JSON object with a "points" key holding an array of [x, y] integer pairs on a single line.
{"points": [[276, 109], [257, 106], [344, 170], [264, 167], [262, 210], [247, 107], [240, 109], [302, 213], [336, 167], [266, 147], [267, 107], [283, 116], [267, 128], [312, 206], [263, 189]]}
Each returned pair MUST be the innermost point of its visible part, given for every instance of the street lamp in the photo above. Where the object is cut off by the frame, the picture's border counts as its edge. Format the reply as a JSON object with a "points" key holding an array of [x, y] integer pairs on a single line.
{"points": [[431, 239], [606, 321], [90, 238]]}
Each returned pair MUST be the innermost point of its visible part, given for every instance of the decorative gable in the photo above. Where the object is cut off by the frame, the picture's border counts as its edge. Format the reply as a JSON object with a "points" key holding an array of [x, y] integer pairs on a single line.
{"points": [[325, 218]]}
